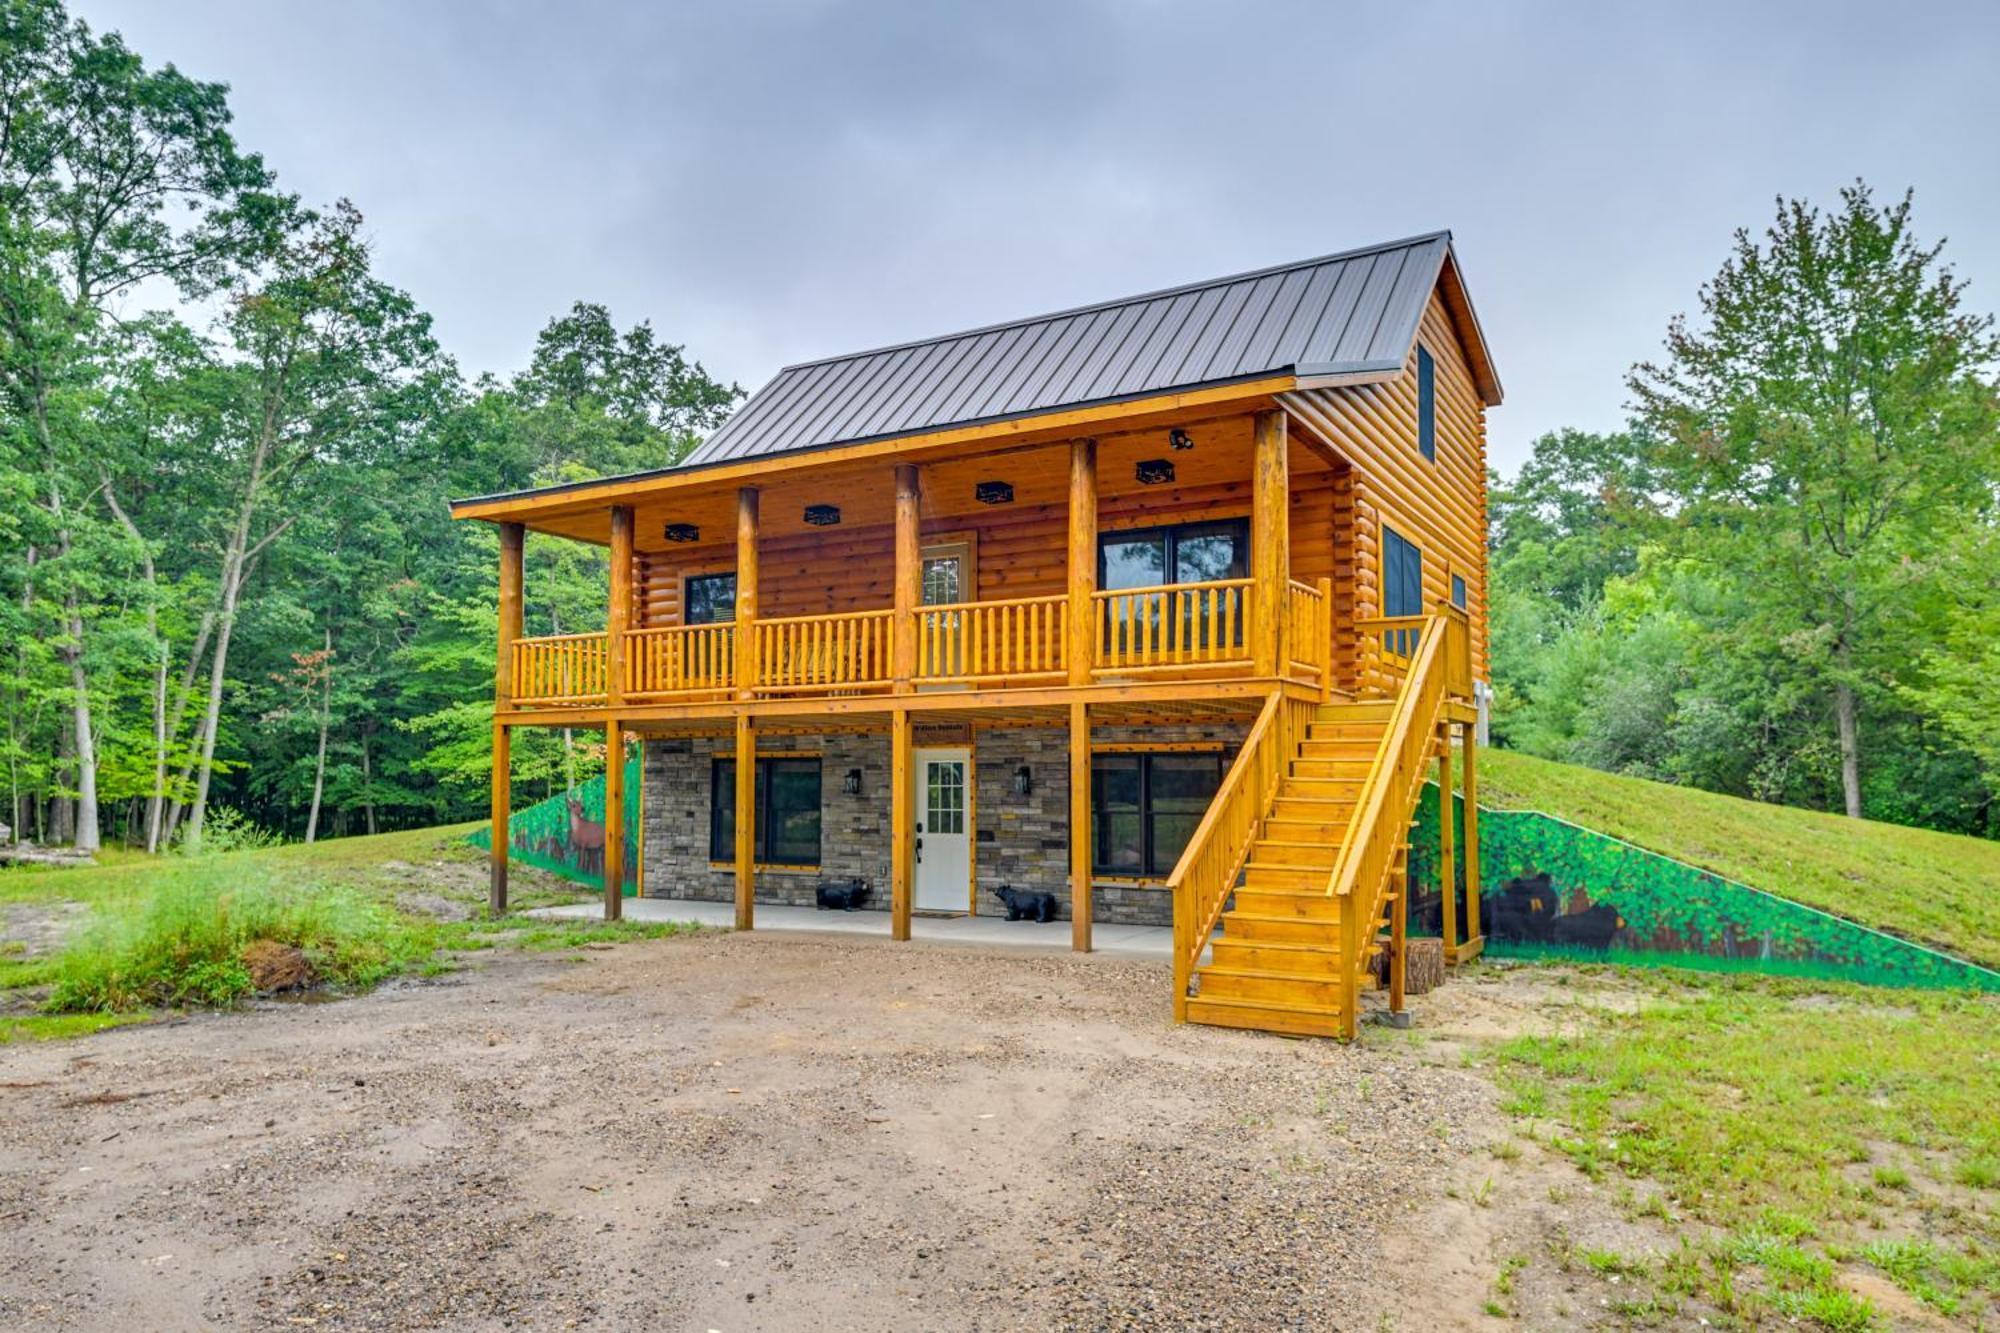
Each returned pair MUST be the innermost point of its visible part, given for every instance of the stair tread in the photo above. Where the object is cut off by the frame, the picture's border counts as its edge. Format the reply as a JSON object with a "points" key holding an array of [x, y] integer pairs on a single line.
{"points": [[1264, 1006], [1259, 973]]}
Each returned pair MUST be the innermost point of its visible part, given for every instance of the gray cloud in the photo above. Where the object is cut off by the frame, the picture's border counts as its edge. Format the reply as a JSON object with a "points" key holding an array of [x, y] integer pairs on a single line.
{"points": [[772, 182]]}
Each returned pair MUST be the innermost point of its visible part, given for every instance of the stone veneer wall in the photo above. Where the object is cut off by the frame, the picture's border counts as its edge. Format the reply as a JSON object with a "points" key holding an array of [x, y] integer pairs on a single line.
{"points": [[1022, 841]]}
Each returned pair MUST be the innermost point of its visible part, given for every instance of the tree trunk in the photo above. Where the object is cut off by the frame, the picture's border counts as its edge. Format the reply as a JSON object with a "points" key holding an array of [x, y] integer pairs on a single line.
{"points": [[325, 714], [1844, 715], [368, 777], [86, 740], [162, 652]]}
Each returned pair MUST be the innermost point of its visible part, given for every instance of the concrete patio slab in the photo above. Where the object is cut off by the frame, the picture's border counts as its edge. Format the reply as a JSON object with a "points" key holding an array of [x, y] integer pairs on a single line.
{"points": [[976, 932]]}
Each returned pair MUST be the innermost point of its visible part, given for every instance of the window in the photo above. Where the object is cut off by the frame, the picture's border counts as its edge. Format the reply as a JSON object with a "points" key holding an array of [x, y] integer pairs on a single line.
{"points": [[787, 812], [1458, 591], [1402, 589], [1190, 553], [1427, 440], [710, 599], [1145, 807]]}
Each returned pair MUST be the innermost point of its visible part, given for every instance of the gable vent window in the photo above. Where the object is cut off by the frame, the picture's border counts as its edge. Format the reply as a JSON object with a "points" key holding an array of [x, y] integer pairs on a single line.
{"points": [[1427, 441]]}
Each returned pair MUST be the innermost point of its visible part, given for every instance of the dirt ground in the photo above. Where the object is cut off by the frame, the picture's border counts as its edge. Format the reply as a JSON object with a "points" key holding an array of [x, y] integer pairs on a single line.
{"points": [[784, 1132]]}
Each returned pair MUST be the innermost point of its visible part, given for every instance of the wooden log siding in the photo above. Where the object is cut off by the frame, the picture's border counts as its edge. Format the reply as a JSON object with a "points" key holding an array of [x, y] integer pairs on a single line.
{"points": [[1439, 506]]}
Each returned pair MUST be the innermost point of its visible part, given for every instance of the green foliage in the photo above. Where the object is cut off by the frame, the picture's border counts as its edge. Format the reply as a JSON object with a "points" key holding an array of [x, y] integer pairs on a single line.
{"points": [[180, 940], [1781, 581], [226, 557]]}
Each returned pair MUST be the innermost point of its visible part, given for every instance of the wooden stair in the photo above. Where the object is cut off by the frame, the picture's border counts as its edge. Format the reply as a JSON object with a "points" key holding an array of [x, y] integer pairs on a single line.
{"points": [[1275, 964]]}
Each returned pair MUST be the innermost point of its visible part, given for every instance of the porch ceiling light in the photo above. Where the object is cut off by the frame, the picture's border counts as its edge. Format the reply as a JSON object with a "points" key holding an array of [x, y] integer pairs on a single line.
{"points": [[1155, 471], [994, 493], [1179, 439], [822, 516], [683, 532]]}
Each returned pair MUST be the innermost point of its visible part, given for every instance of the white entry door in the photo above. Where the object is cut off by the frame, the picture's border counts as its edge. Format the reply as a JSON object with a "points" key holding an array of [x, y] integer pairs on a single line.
{"points": [[944, 829]]}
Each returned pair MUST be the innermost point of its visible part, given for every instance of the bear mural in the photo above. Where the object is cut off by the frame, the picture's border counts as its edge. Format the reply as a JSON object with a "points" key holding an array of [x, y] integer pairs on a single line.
{"points": [[1554, 889]]}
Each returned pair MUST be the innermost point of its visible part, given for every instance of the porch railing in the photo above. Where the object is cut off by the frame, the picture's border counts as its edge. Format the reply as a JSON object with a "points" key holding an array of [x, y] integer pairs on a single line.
{"points": [[1392, 642], [1017, 639], [680, 659], [1309, 627], [1203, 628], [848, 651], [559, 669], [1174, 625]]}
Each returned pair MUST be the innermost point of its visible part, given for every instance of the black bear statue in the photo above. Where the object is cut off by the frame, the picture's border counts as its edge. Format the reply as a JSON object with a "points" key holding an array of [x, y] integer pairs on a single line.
{"points": [[1025, 905]]}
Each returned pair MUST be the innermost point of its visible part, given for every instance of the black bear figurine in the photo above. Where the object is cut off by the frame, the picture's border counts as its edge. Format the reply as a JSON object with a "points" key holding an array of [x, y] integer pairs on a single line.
{"points": [[1023, 904], [842, 895]]}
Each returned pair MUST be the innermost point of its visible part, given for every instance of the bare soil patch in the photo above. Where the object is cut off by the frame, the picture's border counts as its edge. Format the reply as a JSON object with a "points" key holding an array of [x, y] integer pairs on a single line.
{"points": [[768, 1132]]}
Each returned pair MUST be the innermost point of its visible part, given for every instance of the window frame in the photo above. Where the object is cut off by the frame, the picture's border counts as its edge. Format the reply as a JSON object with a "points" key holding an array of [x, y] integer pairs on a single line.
{"points": [[722, 800], [1460, 594], [1150, 865], [1426, 404], [687, 601]]}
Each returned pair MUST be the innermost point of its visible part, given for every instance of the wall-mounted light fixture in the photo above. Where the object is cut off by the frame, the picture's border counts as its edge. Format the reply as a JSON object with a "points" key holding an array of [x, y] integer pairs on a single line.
{"points": [[1024, 781], [822, 516], [1154, 471], [683, 532], [1179, 439], [851, 784], [993, 493]]}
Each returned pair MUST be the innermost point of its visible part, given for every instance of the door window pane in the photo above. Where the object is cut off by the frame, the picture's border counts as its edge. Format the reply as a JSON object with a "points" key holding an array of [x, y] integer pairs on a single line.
{"points": [[1120, 842], [944, 796], [944, 580], [1206, 554]]}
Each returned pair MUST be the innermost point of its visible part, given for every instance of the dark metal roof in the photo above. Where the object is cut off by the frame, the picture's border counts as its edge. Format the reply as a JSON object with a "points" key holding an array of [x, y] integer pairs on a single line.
{"points": [[1353, 313]]}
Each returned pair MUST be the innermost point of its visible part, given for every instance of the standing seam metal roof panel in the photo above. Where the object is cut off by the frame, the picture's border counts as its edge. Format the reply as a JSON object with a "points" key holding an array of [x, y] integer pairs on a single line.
{"points": [[1357, 311]]}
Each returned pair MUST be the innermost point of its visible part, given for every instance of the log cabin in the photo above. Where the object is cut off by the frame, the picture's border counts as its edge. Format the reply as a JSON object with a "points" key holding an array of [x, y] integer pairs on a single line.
{"points": [[1164, 606]]}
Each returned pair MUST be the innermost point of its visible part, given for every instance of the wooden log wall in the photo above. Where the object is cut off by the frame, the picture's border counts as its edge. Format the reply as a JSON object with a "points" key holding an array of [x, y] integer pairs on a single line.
{"points": [[1439, 506], [1020, 548]]}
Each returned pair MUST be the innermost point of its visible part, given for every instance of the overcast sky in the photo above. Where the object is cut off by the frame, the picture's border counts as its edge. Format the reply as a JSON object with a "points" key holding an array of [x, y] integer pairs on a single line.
{"points": [[770, 183]]}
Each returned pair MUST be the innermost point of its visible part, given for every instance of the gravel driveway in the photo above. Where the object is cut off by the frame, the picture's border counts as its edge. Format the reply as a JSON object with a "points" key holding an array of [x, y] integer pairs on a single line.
{"points": [[724, 1132]]}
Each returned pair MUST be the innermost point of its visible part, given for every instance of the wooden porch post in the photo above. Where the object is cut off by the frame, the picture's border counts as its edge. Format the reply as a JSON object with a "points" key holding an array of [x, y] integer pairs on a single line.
{"points": [[617, 623], [1470, 760], [1270, 545], [746, 822], [1447, 865], [1079, 828], [902, 824], [512, 538], [746, 592], [909, 578], [1081, 647], [1325, 632], [614, 819]]}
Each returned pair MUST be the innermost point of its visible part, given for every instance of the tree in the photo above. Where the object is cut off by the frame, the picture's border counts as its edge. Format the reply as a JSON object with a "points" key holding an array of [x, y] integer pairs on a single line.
{"points": [[111, 175], [1829, 419]]}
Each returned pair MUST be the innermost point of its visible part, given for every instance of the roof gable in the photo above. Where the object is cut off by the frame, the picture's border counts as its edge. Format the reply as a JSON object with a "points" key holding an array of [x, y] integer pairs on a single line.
{"points": [[1348, 314]]}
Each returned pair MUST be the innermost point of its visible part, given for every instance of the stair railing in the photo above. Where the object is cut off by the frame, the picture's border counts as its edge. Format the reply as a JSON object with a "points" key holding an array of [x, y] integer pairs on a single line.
{"points": [[1213, 861], [1378, 831]]}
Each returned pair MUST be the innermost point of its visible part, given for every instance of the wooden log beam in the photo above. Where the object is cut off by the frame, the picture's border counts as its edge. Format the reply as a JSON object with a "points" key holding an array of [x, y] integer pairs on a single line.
{"points": [[1082, 560], [513, 538], [1079, 828], [1447, 863], [746, 822], [1270, 544], [614, 819], [746, 593], [902, 824], [1469, 760], [909, 577], [618, 614]]}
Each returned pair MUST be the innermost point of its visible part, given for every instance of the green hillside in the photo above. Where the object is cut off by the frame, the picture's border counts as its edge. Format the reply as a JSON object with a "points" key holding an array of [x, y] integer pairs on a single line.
{"points": [[1933, 887]]}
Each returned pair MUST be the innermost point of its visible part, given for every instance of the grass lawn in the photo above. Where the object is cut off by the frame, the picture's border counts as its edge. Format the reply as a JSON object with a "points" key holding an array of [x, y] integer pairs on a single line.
{"points": [[166, 932], [1928, 886], [1806, 1129]]}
